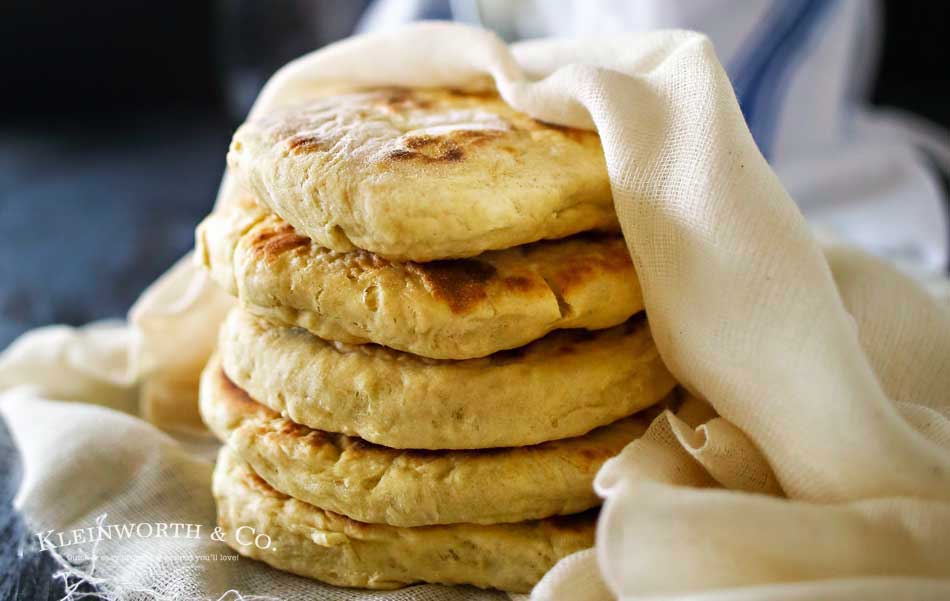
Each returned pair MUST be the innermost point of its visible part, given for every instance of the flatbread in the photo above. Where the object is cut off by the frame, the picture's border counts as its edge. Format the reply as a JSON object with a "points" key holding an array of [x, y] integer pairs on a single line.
{"points": [[456, 309], [376, 484], [297, 537], [563, 385], [422, 174]]}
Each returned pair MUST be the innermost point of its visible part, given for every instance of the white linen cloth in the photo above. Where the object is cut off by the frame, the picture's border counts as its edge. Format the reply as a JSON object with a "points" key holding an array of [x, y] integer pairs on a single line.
{"points": [[824, 471]]}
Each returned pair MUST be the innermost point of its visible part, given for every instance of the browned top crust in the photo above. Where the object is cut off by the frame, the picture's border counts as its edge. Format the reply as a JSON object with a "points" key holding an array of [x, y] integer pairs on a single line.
{"points": [[462, 284], [423, 174], [296, 130], [455, 309]]}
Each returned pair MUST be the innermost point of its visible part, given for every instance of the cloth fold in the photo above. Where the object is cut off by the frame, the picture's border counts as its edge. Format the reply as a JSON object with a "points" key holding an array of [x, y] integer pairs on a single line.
{"points": [[820, 467]]}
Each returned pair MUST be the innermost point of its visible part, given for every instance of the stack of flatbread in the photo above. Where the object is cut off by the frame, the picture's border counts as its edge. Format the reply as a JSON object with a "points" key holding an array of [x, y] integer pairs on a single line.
{"points": [[440, 340]]}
